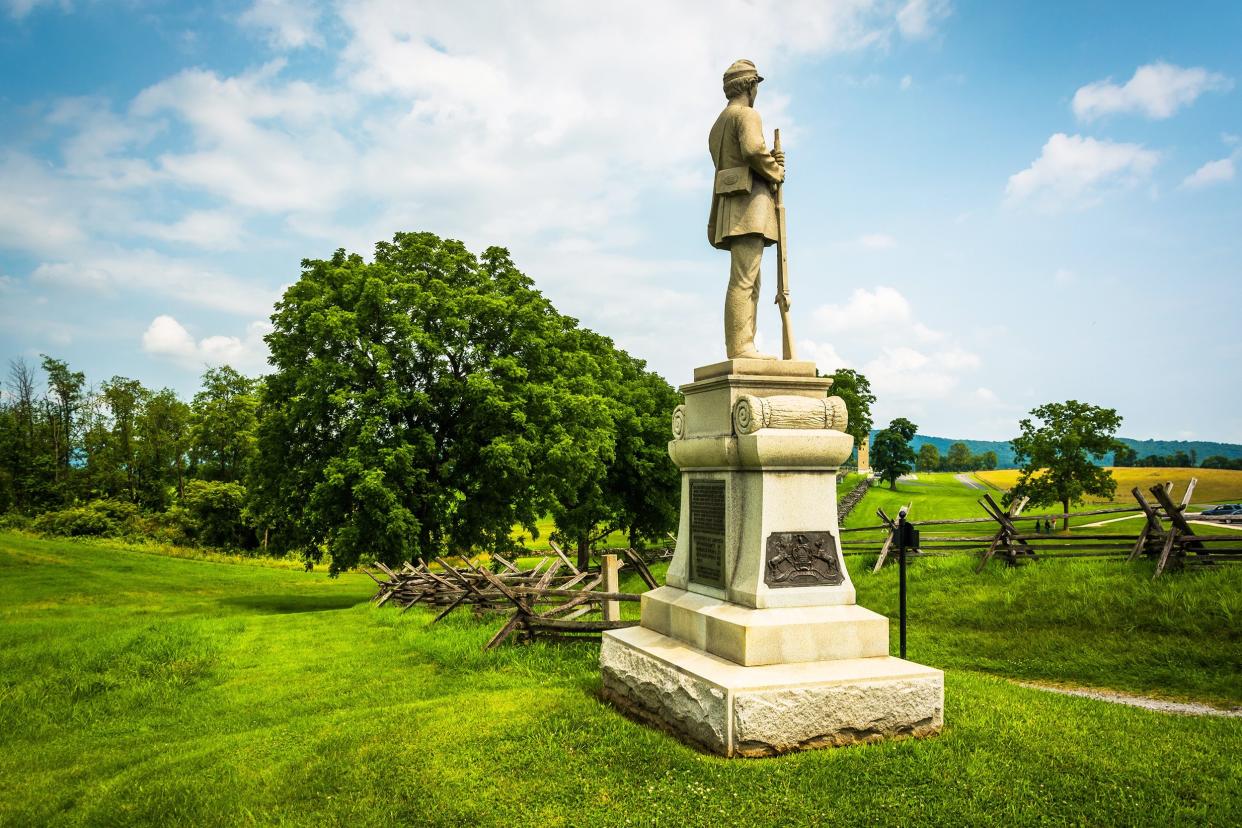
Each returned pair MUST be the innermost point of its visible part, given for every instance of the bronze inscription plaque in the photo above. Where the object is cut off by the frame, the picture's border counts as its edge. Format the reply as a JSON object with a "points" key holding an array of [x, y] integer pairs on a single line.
{"points": [[801, 559], [707, 532]]}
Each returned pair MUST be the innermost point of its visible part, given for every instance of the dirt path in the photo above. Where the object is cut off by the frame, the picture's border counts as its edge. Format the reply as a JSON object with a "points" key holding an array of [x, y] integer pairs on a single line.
{"points": [[1106, 522], [1145, 702], [969, 481]]}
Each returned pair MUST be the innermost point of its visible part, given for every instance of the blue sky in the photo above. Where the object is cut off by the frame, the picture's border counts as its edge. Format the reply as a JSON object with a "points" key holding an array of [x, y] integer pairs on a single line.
{"points": [[991, 205]]}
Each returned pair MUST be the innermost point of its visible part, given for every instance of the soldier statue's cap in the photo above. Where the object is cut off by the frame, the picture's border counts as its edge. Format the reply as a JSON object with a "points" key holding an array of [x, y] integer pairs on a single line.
{"points": [[740, 69]]}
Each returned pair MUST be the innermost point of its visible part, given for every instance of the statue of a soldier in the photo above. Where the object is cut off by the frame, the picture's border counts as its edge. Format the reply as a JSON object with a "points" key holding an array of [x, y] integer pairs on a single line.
{"points": [[743, 216]]}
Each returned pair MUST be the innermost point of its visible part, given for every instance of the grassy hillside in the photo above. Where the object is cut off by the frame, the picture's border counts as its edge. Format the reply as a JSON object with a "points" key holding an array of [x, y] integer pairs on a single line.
{"points": [[1214, 486], [140, 689]]}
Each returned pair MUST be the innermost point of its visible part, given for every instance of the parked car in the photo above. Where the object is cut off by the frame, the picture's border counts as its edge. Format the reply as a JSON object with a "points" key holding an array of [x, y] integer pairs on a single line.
{"points": [[1224, 509]]}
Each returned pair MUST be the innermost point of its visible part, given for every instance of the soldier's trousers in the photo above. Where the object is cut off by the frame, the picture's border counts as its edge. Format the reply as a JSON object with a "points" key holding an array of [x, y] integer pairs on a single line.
{"points": [[742, 297]]}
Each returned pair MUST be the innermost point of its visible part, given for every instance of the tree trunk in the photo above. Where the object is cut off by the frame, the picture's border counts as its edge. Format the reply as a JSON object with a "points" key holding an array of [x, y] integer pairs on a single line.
{"points": [[584, 552], [1065, 511]]}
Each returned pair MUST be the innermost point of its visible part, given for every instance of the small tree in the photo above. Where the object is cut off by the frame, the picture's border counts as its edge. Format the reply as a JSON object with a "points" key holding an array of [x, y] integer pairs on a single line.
{"points": [[958, 458], [929, 458], [1059, 457], [891, 455]]}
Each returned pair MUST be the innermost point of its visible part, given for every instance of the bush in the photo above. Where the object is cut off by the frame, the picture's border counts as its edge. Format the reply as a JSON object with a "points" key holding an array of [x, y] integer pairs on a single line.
{"points": [[14, 520], [215, 514], [99, 517]]}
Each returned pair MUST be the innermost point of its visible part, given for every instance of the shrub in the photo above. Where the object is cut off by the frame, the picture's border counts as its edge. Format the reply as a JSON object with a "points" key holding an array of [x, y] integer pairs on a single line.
{"points": [[14, 520], [99, 517], [215, 514]]}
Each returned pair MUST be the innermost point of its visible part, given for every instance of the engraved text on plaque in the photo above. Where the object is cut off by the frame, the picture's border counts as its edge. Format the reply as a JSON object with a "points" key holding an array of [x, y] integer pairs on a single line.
{"points": [[707, 532]]}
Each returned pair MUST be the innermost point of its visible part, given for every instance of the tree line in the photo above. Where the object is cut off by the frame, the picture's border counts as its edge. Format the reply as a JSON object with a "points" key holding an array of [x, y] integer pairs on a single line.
{"points": [[424, 403], [92, 460], [959, 458], [1125, 456]]}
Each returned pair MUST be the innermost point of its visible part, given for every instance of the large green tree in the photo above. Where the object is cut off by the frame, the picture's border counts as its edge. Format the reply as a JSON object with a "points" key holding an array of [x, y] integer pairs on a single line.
{"points": [[163, 429], [113, 457], [891, 455], [424, 403], [855, 389], [223, 425], [635, 487], [1060, 451]]}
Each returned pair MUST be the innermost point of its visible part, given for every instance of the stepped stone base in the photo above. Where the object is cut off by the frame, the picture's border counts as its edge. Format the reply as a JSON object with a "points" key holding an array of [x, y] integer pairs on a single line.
{"points": [[734, 710], [753, 637]]}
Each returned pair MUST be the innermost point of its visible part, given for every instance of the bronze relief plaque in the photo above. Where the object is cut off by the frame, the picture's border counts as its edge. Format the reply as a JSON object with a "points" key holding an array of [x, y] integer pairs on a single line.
{"points": [[801, 559], [707, 532]]}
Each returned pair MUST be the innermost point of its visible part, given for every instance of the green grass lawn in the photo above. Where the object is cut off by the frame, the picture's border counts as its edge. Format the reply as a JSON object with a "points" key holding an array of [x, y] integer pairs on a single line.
{"points": [[143, 689], [545, 526]]}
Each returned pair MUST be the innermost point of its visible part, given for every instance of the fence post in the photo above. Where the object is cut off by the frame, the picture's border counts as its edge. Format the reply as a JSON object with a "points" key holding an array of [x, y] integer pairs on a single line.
{"points": [[610, 565]]}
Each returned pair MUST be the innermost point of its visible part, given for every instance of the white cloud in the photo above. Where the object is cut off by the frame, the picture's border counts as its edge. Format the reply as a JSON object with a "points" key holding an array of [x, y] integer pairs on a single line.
{"points": [[517, 125], [153, 274], [917, 18], [1073, 171], [101, 149], [258, 142], [18, 9], [906, 82], [287, 24], [905, 360], [1213, 172], [1063, 277], [208, 229], [167, 338], [1156, 90], [986, 396], [877, 241], [33, 214], [823, 354], [902, 374], [883, 313]]}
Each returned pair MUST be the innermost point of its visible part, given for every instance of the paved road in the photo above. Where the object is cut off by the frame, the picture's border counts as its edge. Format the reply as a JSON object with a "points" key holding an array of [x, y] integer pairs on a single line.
{"points": [[969, 481]]}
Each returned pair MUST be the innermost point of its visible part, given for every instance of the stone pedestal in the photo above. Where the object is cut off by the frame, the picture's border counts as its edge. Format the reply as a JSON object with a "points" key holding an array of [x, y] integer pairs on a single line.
{"points": [[755, 645]]}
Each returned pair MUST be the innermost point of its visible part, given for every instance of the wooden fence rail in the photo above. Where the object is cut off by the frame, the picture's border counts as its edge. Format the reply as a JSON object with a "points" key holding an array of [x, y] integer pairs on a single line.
{"points": [[550, 600], [1166, 536]]}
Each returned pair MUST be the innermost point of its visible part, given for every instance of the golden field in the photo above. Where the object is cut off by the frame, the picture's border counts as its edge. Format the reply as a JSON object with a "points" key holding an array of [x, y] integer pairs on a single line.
{"points": [[1214, 486]]}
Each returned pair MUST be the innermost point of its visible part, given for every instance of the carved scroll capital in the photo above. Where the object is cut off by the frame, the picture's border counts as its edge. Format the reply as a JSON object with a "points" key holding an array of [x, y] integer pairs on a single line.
{"points": [[751, 413], [679, 422]]}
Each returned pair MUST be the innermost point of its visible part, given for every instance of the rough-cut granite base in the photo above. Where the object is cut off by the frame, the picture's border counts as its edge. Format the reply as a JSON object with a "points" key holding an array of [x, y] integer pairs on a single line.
{"points": [[733, 710]]}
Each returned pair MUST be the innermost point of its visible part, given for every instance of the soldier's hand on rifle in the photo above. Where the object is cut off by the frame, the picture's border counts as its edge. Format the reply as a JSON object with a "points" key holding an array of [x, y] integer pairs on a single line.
{"points": [[782, 299], [779, 156]]}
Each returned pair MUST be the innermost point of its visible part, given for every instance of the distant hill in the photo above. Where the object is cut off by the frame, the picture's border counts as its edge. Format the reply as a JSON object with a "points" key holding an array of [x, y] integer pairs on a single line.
{"points": [[1004, 452]]}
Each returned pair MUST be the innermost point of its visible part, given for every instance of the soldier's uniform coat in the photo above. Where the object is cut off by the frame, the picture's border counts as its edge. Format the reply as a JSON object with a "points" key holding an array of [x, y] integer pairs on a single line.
{"points": [[736, 140]]}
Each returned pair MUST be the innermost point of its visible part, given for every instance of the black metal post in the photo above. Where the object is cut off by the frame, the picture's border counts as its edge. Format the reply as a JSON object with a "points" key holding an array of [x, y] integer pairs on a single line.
{"points": [[901, 555]]}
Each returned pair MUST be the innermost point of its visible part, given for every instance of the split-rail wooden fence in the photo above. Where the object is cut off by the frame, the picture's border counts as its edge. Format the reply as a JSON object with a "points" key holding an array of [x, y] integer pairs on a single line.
{"points": [[1167, 535]]}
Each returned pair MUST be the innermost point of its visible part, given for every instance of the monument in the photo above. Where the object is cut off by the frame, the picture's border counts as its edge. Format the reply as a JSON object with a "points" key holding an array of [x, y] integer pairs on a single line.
{"points": [[755, 645]]}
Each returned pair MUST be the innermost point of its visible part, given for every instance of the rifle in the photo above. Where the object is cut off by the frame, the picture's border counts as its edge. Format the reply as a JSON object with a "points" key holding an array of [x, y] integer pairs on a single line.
{"points": [[782, 265]]}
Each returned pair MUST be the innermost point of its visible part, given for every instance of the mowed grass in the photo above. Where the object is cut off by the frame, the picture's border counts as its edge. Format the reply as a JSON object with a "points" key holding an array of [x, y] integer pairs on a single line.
{"points": [[1214, 486], [545, 526], [141, 689]]}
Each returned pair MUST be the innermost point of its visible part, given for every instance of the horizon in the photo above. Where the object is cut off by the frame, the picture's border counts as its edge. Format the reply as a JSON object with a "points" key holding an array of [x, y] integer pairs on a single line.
{"points": [[989, 208]]}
